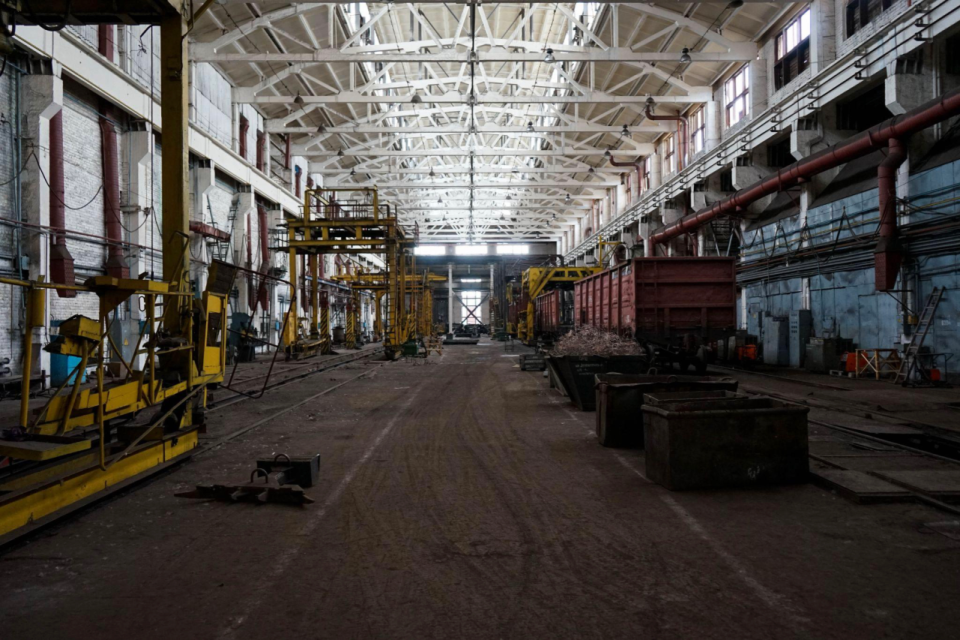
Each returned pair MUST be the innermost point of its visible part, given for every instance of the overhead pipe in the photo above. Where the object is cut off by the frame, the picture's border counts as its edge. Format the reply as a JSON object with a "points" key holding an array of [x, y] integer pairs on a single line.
{"points": [[899, 127], [264, 257], [638, 165], [116, 265], [105, 40], [683, 143], [61, 262], [888, 255]]}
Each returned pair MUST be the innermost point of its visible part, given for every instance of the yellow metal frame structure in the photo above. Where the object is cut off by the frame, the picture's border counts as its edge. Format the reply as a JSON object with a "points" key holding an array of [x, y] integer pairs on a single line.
{"points": [[535, 281], [351, 227], [56, 466]]}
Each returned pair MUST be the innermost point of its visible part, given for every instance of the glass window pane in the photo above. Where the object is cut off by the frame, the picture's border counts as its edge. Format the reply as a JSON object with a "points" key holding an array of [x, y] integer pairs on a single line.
{"points": [[793, 36], [739, 83], [746, 76], [805, 25], [779, 47]]}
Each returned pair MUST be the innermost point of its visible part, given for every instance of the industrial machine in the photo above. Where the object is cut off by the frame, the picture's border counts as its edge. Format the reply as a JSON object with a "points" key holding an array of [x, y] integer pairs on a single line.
{"points": [[351, 221], [88, 438]]}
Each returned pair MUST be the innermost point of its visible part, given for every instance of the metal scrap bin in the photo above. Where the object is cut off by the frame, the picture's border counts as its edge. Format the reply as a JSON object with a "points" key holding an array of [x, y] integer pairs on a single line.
{"points": [[620, 398], [707, 444], [576, 374]]}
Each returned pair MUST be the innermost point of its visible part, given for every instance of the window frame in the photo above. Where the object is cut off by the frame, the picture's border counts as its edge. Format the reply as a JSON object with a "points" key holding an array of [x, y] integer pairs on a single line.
{"points": [[857, 13], [730, 97], [669, 145], [698, 131], [791, 61]]}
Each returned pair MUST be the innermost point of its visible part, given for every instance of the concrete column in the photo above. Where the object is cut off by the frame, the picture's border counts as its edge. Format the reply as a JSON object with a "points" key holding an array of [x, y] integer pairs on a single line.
{"points": [[823, 34], [450, 298], [203, 180], [141, 147], [759, 87], [712, 112], [908, 85], [239, 237], [42, 99], [137, 227], [656, 170]]}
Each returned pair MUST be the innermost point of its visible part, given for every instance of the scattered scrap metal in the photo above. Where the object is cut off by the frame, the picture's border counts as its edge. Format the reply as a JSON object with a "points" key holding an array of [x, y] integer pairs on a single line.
{"points": [[280, 480], [590, 341]]}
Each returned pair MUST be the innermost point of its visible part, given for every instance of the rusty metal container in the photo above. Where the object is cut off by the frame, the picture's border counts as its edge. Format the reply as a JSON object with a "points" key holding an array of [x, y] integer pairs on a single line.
{"points": [[620, 398], [576, 374], [713, 443], [658, 298]]}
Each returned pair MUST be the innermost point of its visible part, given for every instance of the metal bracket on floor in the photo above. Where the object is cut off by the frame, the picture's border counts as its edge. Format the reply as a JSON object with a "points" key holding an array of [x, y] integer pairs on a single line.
{"points": [[280, 480]]}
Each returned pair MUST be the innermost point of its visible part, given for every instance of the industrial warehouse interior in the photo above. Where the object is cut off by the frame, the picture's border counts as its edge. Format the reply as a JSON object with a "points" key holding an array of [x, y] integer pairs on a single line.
{"points": [[479, 319]]}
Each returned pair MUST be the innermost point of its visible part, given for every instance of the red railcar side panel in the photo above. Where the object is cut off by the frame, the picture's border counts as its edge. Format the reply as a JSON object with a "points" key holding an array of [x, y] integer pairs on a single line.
{"points": [[660, 297]]}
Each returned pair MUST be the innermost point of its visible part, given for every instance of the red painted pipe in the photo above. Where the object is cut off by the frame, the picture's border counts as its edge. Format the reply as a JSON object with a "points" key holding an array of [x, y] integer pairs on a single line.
{"points": [[684, 141], [251, 292], [636, 165], [61, 262], [105, 40], [888, 255], [854, 147], [264, 255], [116, 265]]}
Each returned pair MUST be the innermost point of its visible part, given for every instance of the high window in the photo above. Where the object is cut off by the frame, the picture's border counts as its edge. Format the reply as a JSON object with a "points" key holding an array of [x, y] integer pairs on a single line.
{"points": [[471, 250], [471, 301], [698, 131], [431, 250], [736, 95], [513, 249], [792, 50], [860, 13], [669, 154]]}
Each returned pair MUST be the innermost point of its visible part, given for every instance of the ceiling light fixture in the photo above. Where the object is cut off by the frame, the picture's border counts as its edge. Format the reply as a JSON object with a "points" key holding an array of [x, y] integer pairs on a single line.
{"points": [[340, 153], [549, 57], [298, 99], [685, 56], [568, 198], [625, 131], [321, 129], [431, 172], [353, 171], [416, 99], [530, 127]]}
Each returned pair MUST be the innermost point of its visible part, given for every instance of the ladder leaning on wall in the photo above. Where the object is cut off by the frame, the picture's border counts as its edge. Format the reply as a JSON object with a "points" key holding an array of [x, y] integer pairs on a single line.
{"points": [[910, 362]]}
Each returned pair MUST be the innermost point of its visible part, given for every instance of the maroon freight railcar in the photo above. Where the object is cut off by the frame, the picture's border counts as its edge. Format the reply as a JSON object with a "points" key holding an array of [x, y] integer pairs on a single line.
{"points": [[676, 305], [554, 313]]}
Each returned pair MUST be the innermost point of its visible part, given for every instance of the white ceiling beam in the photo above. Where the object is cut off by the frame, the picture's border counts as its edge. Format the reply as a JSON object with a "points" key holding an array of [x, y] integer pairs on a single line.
{"points": [[447, 170], [573, 184], [276, 126], [702, 94], [643, 150], [742, 53]]}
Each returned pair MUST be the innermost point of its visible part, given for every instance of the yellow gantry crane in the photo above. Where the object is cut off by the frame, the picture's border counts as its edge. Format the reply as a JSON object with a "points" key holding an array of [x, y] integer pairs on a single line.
{"points": [[351, 221], [537, 280]]}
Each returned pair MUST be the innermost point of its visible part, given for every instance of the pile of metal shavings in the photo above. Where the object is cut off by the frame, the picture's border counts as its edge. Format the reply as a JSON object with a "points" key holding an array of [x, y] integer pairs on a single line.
{"points": [[590, 341]]}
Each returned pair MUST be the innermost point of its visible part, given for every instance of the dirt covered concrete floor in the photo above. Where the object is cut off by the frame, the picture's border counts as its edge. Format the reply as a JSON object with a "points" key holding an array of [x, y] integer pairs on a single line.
{"points": [[462, 498]]}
